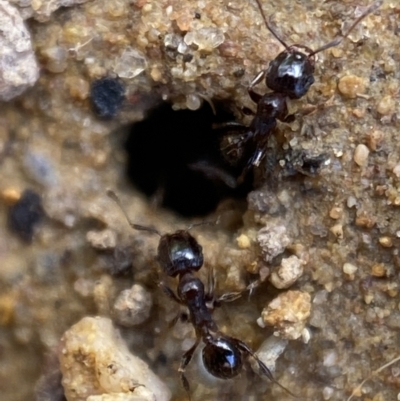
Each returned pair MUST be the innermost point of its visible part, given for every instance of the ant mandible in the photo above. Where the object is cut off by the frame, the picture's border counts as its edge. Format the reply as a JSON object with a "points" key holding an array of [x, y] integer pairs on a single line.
{"points": [[289, 75], [180, 255]]}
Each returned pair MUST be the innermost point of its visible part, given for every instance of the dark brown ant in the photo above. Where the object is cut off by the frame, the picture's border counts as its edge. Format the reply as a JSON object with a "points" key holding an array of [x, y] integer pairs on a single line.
{"points": [[180, 255], [289, 75]]}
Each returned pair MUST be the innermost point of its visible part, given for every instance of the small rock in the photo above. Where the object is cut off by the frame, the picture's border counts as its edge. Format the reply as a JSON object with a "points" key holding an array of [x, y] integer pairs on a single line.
{"points": [[330, 357], [95, 361], [139, 394], [336, 213], [172, 41], [290, 270], [40, 168], [273, 240], [269, 351], [396, 170], [193, 101], [205, 38], [351, 86], [10, 195], [288, 314], [364, 219], [18, 66], [264, 200], [243, 241], [386, 242], [361, 155], [374, 139], [55, 59], [378, 270], [351, 201], [337, 231], [102, 240], [41, 10], [349, 268], [107, 95], [386, 106], [26, 214], [130, 64], [327, 392], [132, 307]]}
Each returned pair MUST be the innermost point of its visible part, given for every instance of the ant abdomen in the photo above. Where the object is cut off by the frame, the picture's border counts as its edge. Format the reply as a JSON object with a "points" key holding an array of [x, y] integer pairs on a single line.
{"points": [[179, 252], [222, 358], [291, 73]]}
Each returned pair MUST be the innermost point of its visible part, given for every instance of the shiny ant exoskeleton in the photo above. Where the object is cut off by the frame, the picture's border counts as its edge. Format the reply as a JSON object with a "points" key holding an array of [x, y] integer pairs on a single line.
{"points": [[180, 255], [289, 76]]}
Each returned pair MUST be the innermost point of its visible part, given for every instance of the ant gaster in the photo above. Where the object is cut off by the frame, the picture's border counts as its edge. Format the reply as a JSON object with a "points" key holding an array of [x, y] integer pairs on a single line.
{"points": [[180, 255], [289, 75]]}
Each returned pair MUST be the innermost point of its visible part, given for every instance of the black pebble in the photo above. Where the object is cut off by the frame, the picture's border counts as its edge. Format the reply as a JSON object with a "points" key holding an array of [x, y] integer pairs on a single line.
{"points": [[107, 95], [25, 215]]}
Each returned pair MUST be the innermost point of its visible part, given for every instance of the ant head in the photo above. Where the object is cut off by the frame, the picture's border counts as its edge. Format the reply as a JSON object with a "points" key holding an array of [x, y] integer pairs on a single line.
{"points": [[179, 253], [222, 358], [291, 73]]}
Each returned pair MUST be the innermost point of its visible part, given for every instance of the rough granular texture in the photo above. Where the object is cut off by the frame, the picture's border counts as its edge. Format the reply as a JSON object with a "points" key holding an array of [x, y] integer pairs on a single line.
{"points": [[94, 361], [18, 66]]}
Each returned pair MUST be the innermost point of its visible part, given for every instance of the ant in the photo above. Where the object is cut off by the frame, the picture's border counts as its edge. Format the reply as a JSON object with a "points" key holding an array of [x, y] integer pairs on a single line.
{"points": [[180, 255], [289, 75]]}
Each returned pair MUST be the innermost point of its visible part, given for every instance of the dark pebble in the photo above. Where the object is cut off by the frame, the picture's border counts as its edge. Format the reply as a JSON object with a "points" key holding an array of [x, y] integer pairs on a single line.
{"points": [[25, 215], [107, 95]]}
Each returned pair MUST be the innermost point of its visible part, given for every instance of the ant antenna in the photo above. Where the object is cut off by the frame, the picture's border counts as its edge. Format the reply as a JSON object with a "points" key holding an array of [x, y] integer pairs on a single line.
{"points": [[111, 194], [270, 27], [335, 42], [205, 223], [369, 10]]}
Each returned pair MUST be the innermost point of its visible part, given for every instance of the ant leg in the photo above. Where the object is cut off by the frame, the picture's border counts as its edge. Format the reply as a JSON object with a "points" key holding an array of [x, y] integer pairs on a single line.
{"points": [[289, 118], [229, 297], [233, 125], [248, 112], [111, 194], [245, 348], [183, 317], [263, 368], [170, 293], [254, 96], [209, 295], [213, 173], [234, 295], [186, 358], [257, 79]]}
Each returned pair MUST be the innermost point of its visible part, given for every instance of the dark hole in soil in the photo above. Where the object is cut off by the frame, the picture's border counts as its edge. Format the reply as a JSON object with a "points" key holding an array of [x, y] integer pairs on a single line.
{"points": [[175, 156]]}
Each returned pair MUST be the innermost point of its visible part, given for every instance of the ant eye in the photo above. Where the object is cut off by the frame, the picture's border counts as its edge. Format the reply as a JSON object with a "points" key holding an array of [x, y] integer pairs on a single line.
{"points": [[221, 358]]}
